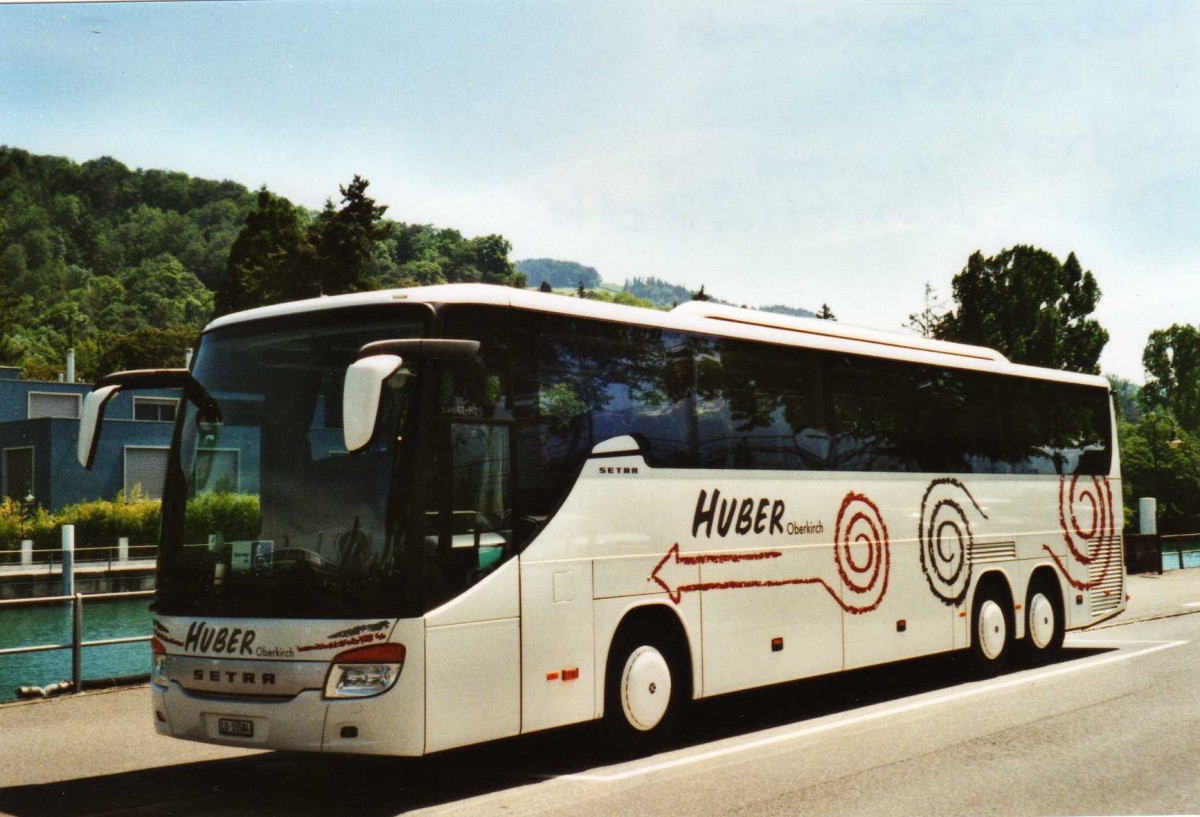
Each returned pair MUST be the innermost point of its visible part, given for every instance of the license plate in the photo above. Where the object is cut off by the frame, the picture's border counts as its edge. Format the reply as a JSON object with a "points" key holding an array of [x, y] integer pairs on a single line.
{"points": [[235, 727]]}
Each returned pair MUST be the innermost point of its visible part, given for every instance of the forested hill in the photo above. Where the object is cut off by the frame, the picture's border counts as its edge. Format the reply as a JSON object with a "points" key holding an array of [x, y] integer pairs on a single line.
{"points": [[649, 291], [558, 274], [127, 265]]}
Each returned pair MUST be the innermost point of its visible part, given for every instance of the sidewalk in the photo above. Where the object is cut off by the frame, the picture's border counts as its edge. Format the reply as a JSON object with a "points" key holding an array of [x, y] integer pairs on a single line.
{"points": [[1153, 596]]}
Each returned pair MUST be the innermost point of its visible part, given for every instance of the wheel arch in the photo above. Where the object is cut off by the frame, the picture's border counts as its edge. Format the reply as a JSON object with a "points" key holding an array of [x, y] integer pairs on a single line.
{"points": [[999, 579], [1045, 574], [657, 616]]}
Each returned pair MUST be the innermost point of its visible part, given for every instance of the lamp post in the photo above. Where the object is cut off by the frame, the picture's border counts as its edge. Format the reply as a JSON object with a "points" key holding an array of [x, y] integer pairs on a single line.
{"points": [[27, 509], [1172, 444], [1149, 507], [27, 504]]}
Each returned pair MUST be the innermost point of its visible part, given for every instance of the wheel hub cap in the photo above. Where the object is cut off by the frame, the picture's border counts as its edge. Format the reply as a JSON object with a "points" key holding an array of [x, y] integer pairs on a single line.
{"points": [[645, 688], [1041, 621], [993, 629]]}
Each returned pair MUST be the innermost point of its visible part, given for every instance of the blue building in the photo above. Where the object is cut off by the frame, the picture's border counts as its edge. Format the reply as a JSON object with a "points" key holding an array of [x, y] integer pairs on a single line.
{"points": [[39, 430]]}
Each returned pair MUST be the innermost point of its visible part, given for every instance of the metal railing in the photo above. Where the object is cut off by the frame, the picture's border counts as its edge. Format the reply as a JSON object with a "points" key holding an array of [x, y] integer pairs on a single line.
{"points": [[77, 643], [29, 557], [67, 558], [1148, 552], [1178, 542]]}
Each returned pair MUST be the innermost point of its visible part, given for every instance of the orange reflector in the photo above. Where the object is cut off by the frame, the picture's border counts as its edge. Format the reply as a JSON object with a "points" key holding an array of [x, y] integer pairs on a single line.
{"points": [[1017, 606], [962, 614], [570, 674], [156, 646], [777, 644], [373, 654], [552, 676]]}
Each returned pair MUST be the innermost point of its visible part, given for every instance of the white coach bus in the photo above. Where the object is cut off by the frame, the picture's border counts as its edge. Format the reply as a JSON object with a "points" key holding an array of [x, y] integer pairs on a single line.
{"points": [[400, 522]]}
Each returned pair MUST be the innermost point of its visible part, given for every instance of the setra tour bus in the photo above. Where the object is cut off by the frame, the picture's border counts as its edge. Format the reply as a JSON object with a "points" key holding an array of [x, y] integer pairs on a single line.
{"points": [[400, 522]]}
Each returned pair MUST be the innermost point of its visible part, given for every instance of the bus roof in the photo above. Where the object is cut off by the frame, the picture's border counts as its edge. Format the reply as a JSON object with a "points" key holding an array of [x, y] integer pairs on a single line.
{"points": [[694, 316]]}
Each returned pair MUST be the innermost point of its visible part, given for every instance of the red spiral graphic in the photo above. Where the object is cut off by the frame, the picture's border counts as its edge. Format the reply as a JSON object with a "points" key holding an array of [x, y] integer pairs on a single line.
{"points": [[1085, 516], [864, 577]]}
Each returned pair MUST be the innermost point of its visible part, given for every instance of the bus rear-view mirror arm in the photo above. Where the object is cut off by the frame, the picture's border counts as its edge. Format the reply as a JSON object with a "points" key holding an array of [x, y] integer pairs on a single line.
{"points": [[375, 364], [106, 389]]}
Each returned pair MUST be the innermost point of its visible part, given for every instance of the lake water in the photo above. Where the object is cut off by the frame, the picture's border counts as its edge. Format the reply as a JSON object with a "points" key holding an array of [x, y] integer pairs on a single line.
{"points": [[32, 625]]}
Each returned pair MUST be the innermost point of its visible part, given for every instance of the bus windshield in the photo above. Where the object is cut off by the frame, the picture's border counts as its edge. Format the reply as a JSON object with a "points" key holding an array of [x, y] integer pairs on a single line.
{"points": [[265, 513]]}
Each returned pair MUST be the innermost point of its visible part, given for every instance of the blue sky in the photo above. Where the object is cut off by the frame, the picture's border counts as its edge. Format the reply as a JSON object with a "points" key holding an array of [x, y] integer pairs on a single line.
{"points": [[841, 152]]}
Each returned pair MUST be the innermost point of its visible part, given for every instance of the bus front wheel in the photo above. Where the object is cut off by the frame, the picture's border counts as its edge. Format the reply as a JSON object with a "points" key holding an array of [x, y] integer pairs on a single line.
{"points": [[992, 629], [642, 689]]}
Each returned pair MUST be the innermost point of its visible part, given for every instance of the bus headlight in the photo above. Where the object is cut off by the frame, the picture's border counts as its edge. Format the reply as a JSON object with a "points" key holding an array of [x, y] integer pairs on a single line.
{"points": [[364, 671], [158, 673]]}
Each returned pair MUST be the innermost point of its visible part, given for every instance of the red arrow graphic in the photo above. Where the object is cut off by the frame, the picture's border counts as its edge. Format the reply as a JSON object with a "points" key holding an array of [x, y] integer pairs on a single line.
{"points": [[864, 576], [676, 593]]}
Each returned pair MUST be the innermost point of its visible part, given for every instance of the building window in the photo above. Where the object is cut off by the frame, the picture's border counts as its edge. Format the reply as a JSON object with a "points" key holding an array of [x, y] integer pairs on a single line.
{"points": [[18, 473], [155, 409], [145, 471], [46, 404]]}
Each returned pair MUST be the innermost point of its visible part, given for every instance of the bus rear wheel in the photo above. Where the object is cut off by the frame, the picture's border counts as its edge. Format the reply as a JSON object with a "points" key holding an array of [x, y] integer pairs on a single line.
{"points": [[643, 689], [1045, 624], [992, 629]]}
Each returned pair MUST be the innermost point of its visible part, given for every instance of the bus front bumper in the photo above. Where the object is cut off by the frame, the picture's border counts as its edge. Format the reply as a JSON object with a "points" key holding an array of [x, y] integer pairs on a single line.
{"points": [[307, 722]]}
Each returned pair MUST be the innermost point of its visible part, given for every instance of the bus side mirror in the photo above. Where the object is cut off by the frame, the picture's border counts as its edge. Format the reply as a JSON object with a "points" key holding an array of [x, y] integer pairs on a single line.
{"points": [[360, 397], [90, 421]]}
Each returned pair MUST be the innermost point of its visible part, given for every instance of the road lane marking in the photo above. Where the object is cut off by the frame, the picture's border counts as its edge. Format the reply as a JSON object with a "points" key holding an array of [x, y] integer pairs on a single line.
{"points": [[1191, 604], [1084, 641], [911, 706]]}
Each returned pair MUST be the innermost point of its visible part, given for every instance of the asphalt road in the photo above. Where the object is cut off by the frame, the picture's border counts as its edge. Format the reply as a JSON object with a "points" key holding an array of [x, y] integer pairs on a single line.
{"points": [[1111, 728]]}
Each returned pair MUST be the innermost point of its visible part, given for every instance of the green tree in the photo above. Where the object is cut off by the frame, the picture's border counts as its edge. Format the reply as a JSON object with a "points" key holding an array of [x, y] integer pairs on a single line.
{"points": [[165, 293], [825, 313], [269, 261], [149, 347], [106, 303], [927, 322], [1127, 397], [343, 239], [488, 254], [1161, 460], [1030, 307], [1172, 362], [8, 322], [69, 320]]}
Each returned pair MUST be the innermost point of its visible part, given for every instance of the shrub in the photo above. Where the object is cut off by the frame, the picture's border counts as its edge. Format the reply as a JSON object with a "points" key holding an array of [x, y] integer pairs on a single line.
{"points": [[235, 516], [101, 522]]}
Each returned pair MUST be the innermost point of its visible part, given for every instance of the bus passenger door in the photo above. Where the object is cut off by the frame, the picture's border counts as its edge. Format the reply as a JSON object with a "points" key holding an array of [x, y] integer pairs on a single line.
{"points": [[473, 659]]}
